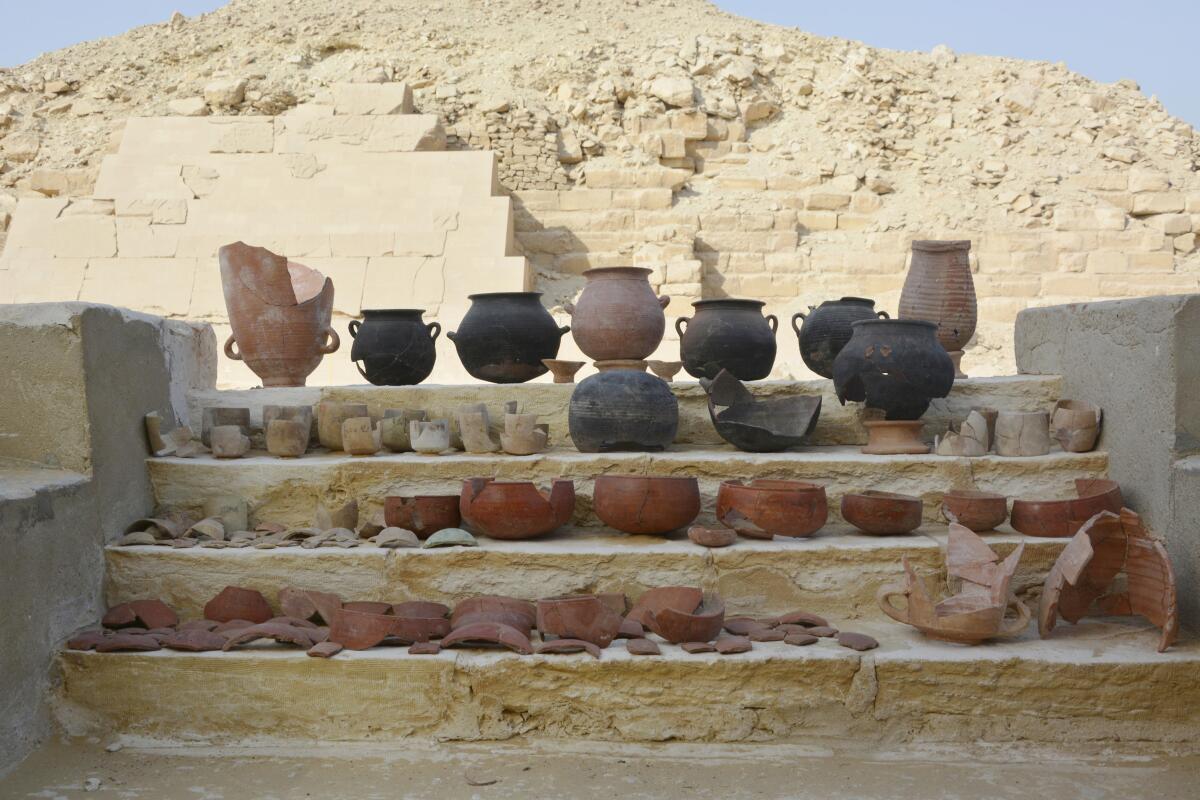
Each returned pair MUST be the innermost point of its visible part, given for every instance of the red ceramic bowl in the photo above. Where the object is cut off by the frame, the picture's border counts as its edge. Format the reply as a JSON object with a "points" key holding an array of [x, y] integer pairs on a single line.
{"points": [[882, 513], [646, 504]]}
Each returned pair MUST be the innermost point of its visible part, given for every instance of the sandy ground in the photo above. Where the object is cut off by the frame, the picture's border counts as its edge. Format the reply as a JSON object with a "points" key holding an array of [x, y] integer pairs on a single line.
{"points": [[566, 770]]}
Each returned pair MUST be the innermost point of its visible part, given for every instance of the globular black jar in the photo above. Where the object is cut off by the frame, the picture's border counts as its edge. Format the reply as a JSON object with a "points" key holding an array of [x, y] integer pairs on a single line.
{"points": [[826, 330], [505, 335], [394, 346], [894, 365], [622, 409], [729, 334]]}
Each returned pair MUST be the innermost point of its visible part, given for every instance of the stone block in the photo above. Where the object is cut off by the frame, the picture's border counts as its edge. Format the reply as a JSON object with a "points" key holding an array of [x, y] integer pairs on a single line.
{"points": [[826, 201], [585, 199], [1108, 262], [208, 295], [1152, 262], [1081, 286], [43, 280], [742, 182], [1173, 224], [368, 243], [227, 92], [405, 282], [865, 203], [138, 238], [372, 98], [1144, 180], [816, 221], [84, 237], [252, 137], [692, 124], [33, 227], [1158, 203], [372, 134], [642, 198], [537, 199], [1088, 218], [853, 222], [154, 285]]}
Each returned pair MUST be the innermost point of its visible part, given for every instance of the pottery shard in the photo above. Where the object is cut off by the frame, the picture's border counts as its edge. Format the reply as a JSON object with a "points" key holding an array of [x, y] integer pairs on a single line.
{"points": [[567, 646], [280, 632], [194, 640], [805, 618], [295, 622], [642, 647], [800, 639], [703, 625], [309, 604], [359, 630], [424, 649], [712, 537], [368, 607], [767, 635], [585, 617], [697, 647], [486, 633], [681, 598], [198, 625], [631, 630], [154, 613], [823, 631], [857, 641], [731, 645], [232, 627], [324, 649], [234, 602], [743, 626], [121, 616], [86, 640], [128, 643]]}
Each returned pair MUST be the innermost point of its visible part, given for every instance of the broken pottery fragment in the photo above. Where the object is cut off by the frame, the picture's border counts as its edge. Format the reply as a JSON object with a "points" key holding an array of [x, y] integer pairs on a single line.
{"points": [[215, 416], [584, 617], [325, 649], [979, 511], [800, 639], [766, 425], [566, 647], [971, 439], [394, 428], [742, 626], [231, 627], [822, 631], [234, 603], [420, 608], [277, 631], [857, 641], [393, 538], [424, 649], [359, 630], [682, 598], [86, 640], [295, 622], [523, 436], [429, 437], [696, 648], [146, 613], [646, 504], [701, 625], [137, 538], [288, 438], [331, 415], [198, 625], [450, 537], [368, 606], [642, 647], [488, 633], [194, 640], [764, 508], [631, 629], [768, 635], [128, 643], [890, 437], [371, 527], [563, 371], [1083, 580], [509, 611], [882, 513], [973, 614], [206, 530], [712, 537], [154, 437], [1075, 425], [1023, 433], [160, 528], [228, 441], [1062, 518], [805, 618], [475, 427], [424, 515], [515, 509], [732, 645]]}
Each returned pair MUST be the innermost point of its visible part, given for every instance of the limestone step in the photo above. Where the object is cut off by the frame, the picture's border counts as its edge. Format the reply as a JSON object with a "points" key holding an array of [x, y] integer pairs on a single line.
{"points": [[288, 490], [838, 424], [834, 573], [1098, 681]]}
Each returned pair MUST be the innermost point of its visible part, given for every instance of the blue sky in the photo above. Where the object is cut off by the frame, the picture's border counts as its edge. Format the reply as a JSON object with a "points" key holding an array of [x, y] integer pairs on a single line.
{"points": [[1151, 42]]}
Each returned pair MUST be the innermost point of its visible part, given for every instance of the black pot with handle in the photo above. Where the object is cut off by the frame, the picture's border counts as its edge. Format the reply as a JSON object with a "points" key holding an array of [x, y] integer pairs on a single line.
{"points": [[505, 336], [394, 346], [826, 330], [729, 334]]}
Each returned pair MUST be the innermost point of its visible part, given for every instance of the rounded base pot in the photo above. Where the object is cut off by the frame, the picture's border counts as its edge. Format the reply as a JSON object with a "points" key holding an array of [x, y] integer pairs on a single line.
{"points": [[394, 347], [622, 410], [895, 437]]}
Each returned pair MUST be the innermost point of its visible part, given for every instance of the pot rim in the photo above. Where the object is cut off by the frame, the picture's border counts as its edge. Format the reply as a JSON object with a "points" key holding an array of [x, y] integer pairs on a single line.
{"points": [[488, 295], [792, 486], [911, 323], [396, 311], [646, 478], [972, 494], [941, 245], [878, 496], [729, 301], [866, 300], [629, 271]]}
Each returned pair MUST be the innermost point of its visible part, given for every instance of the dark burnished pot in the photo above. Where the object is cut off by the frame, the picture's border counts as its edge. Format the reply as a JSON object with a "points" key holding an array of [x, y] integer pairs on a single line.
{"points": [[894, 365], [728, 334], [394, 346], [505, 336], [622, 409], [827, 329]]}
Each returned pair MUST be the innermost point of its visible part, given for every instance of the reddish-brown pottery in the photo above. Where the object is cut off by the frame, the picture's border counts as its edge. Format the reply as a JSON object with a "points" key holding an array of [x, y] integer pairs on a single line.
{"points": [[585, 617], [979, 511], [882, 513], [234, 602], [515, 509], [939, 288], [702, 625], [765, 508], [646, 504], [519, 614], [424, 515], [489, 633], [617, 316], [1062, 518]]}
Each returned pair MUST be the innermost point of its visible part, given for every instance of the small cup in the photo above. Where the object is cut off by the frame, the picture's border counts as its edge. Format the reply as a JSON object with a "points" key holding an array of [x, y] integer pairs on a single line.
{"points": [[288, 438], [228, 441], [331, 415], [217, 415], [430, 437], [393, 429], [360, 437]]}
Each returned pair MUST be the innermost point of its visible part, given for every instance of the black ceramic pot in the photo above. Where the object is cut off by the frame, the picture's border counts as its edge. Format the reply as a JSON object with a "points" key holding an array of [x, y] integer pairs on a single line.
{"points": [[826, 330], [622, 409], [894, 365], [394, 345], [505, 335], [728, 334]]}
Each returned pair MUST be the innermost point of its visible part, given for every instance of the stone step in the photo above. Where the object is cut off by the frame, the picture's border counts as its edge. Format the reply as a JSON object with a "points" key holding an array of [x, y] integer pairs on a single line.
{"points": [[288, 490], [834, 573], [837, 425], [1098, 681]]}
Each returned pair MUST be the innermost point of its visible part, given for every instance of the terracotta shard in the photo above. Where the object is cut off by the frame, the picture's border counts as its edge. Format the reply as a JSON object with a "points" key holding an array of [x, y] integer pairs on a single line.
{"points": [[584, 617], [194, 640], [424, 649], [410, 629], [566, 646], [309, 604], [489, 633], [642, 647], [420, 608], [697, 647], [86, 640], [295, 622], [1081, 582], [232, 626], [1075, 425], [122, 616], [731, 645], [805, 618], [325, 650], [359, 630], [743, 626], [631, 630], [278, 631], [857, 641], [702, 625], [768, 635], [712, 537], [128, 643], [681, 598], [234, 602], [1063, 518], [800, 639], [154, 613], [823, 631], [518, 614], [424, 515], [368, 606], [158, 527]]}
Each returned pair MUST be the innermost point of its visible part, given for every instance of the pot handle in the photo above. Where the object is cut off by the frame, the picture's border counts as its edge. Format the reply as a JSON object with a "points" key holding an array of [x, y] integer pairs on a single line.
{"points": [[569, 307], [354, 326], [450, 335], [884, 598], [881, 314], [334, 341], [680, 324], [664, 301], [229, 343], [1020, 623], [434, 329], [773, 322], [796, 316], [358, 367], [564, 330]]}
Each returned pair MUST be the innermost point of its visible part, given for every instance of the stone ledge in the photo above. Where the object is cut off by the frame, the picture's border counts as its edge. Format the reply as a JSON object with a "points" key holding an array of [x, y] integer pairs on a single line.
{"points": [[1098, 681]]}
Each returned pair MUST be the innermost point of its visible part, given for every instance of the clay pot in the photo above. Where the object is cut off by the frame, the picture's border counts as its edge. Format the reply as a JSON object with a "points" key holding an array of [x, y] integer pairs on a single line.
{"points": [[280, 313], [712, 537], [896, 366], [1063, 518], [1022, 433], [728, 334], [765, 508], [228, 441], [1075, 425], [429, 437], [563, 371], [617, 316], [394, 345], [515, 509], [667, 370], [622, 410], [583, 617], [979, 511], [882, 513], [505, 336], [360, 437], [424, 515], [702, 625], [213, 416], [939, 289], [759, 426], [644, 504], [330, 416], [523, 436], [827, 329], [886, 438]]}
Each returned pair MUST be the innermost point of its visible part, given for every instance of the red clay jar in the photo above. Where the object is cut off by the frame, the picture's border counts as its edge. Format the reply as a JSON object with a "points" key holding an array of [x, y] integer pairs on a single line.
{"points": [[646, 504], [883, 513], [764, 508], [617, 315], [515, 509]]}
